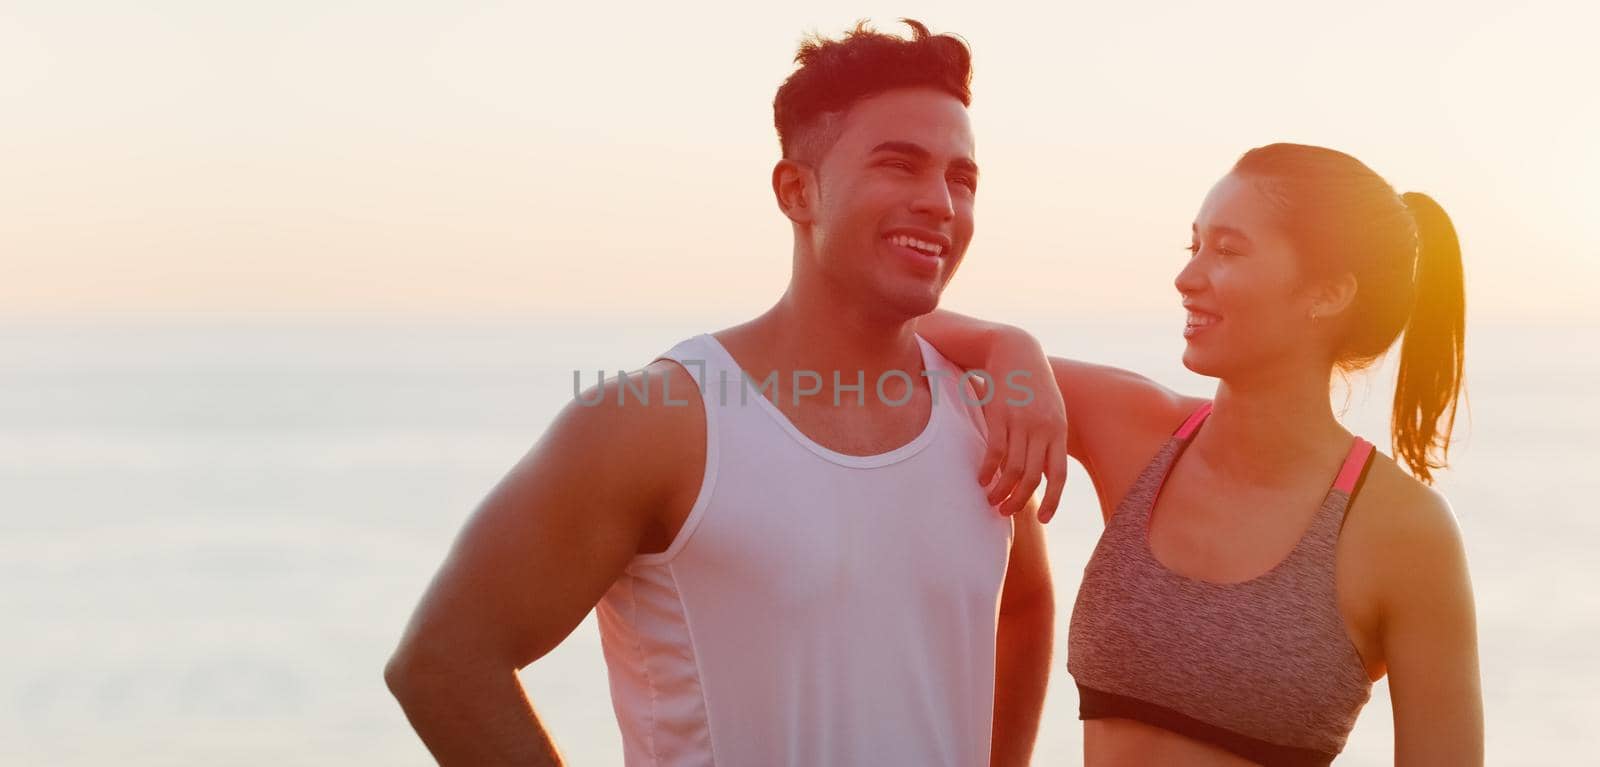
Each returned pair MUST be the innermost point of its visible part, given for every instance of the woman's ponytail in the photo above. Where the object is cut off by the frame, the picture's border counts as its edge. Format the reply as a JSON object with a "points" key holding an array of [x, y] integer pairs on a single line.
{"points": [[1431, 353]]}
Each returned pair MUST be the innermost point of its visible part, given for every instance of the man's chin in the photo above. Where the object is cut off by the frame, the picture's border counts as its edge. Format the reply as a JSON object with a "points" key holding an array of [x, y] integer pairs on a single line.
{"points": [[911, 305]]}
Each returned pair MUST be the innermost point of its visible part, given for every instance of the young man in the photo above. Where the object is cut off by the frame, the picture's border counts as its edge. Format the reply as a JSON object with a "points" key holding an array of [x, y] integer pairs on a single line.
{"points": [[814, 579]]}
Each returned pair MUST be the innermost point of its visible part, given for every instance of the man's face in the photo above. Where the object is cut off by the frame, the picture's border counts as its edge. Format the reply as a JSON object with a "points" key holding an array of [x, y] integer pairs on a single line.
{"points": [[895, 199]]}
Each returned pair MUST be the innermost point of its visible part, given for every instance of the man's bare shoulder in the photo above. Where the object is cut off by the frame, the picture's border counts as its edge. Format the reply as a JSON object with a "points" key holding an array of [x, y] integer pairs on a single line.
{"points": [[654, 405], [645, 427]]}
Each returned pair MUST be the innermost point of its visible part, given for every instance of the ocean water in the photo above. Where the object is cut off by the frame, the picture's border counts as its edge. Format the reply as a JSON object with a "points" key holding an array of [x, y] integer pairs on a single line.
{"points": [[212, 531]]}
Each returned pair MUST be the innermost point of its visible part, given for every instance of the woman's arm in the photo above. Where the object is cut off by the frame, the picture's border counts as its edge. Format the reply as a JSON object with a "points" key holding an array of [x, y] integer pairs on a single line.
{"points": [[1430, 638], [1114, 414], [1024, 413], [966, 341]]}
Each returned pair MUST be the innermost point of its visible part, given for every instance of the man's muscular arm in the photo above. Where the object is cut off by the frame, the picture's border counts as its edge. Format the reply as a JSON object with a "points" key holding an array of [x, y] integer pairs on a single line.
{"points": [[532, 560]]}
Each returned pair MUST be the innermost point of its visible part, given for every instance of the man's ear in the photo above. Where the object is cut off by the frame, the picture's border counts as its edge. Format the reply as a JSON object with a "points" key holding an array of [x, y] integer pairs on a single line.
{"points": [[795, 186], [1333, 296]]}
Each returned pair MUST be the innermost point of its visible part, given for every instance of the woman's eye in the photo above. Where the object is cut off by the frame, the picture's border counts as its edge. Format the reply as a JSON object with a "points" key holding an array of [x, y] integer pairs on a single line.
{"points": [[1193, 248]]}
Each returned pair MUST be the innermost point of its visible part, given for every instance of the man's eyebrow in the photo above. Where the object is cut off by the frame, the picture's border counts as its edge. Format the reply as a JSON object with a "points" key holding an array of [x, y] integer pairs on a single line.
{"points": [[911, 149], [903, 147]]}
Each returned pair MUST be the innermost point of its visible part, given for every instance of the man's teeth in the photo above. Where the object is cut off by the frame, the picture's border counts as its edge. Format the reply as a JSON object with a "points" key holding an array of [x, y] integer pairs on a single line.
{"points": [[932, 249], [1200, 320]]}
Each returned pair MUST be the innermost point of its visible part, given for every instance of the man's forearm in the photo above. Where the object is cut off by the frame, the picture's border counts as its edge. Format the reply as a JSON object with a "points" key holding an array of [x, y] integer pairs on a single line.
{"points": [[1022, 673], [473, 718]]}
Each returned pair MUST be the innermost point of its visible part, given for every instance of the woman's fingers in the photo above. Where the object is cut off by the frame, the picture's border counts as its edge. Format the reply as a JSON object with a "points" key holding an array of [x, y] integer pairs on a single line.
{"points": [[1032, 469], [994, 454], [1026, 447], [1015, 462], [1055, 474]]}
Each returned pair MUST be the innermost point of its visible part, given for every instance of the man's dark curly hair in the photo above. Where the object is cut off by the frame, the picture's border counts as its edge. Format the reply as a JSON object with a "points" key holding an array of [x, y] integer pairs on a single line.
{"points": [[835, 74]]}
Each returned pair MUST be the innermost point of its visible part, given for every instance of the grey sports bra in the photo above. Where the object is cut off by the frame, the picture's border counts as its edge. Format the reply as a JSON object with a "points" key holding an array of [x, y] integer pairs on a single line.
{"points": [[1263, 668]]}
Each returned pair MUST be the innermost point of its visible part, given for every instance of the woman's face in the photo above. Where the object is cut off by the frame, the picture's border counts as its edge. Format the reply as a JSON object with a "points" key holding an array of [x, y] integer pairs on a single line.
{"points": [[1242, 287]]}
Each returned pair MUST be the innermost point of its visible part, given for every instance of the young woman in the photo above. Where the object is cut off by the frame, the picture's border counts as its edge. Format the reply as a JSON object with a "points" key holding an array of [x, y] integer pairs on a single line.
{"points": [[1260, 565]]}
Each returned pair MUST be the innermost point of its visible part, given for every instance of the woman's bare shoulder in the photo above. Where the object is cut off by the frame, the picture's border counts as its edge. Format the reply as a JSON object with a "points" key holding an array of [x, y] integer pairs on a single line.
{"points": [[1116, 420], [1409, 535], [1404, 512]]}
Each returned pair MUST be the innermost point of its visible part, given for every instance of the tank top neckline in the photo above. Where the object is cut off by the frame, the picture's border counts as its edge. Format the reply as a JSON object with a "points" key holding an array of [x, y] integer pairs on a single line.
{"points": [[1344, 482], [892, 456]]}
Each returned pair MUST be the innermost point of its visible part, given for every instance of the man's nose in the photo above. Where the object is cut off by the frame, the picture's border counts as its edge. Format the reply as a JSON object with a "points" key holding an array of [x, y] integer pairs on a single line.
{"points": [[934, 199]]}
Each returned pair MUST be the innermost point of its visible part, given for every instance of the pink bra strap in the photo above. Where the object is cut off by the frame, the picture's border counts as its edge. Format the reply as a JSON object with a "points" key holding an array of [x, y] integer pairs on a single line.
{"points": [[1187, 429], [1353, 466]]}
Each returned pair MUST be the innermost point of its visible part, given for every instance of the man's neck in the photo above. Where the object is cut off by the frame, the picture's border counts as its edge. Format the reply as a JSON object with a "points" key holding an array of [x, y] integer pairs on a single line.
{"points": [[824, 337]]}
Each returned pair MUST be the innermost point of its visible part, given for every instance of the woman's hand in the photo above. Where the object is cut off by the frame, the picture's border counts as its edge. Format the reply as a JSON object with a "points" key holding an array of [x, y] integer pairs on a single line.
{"points": [[1027, 426]]}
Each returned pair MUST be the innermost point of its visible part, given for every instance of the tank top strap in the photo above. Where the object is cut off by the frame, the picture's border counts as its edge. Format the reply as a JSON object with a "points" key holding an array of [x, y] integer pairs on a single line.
{"points": [[697, 358], [723, 385]]}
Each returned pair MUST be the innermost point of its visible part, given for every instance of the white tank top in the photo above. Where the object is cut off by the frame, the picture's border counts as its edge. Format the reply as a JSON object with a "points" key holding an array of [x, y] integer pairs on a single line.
{"points": [[815, 608]]}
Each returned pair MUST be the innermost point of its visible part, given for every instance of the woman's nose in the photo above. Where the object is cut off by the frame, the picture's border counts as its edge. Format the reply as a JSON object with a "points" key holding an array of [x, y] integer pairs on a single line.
{"points": [[1191, 278]]}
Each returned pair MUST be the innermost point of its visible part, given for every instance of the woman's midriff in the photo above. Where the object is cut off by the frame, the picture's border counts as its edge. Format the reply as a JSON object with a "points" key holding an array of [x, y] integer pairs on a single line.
{"points": [[1130, 743]]}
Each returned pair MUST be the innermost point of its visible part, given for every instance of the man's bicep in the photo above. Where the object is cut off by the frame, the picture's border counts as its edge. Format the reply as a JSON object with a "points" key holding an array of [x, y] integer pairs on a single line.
{"points": [[542, 547]]}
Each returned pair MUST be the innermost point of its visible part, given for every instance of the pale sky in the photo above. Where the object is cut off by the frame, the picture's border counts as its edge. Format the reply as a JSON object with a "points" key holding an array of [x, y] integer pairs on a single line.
{"points": [[517, 158]]}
